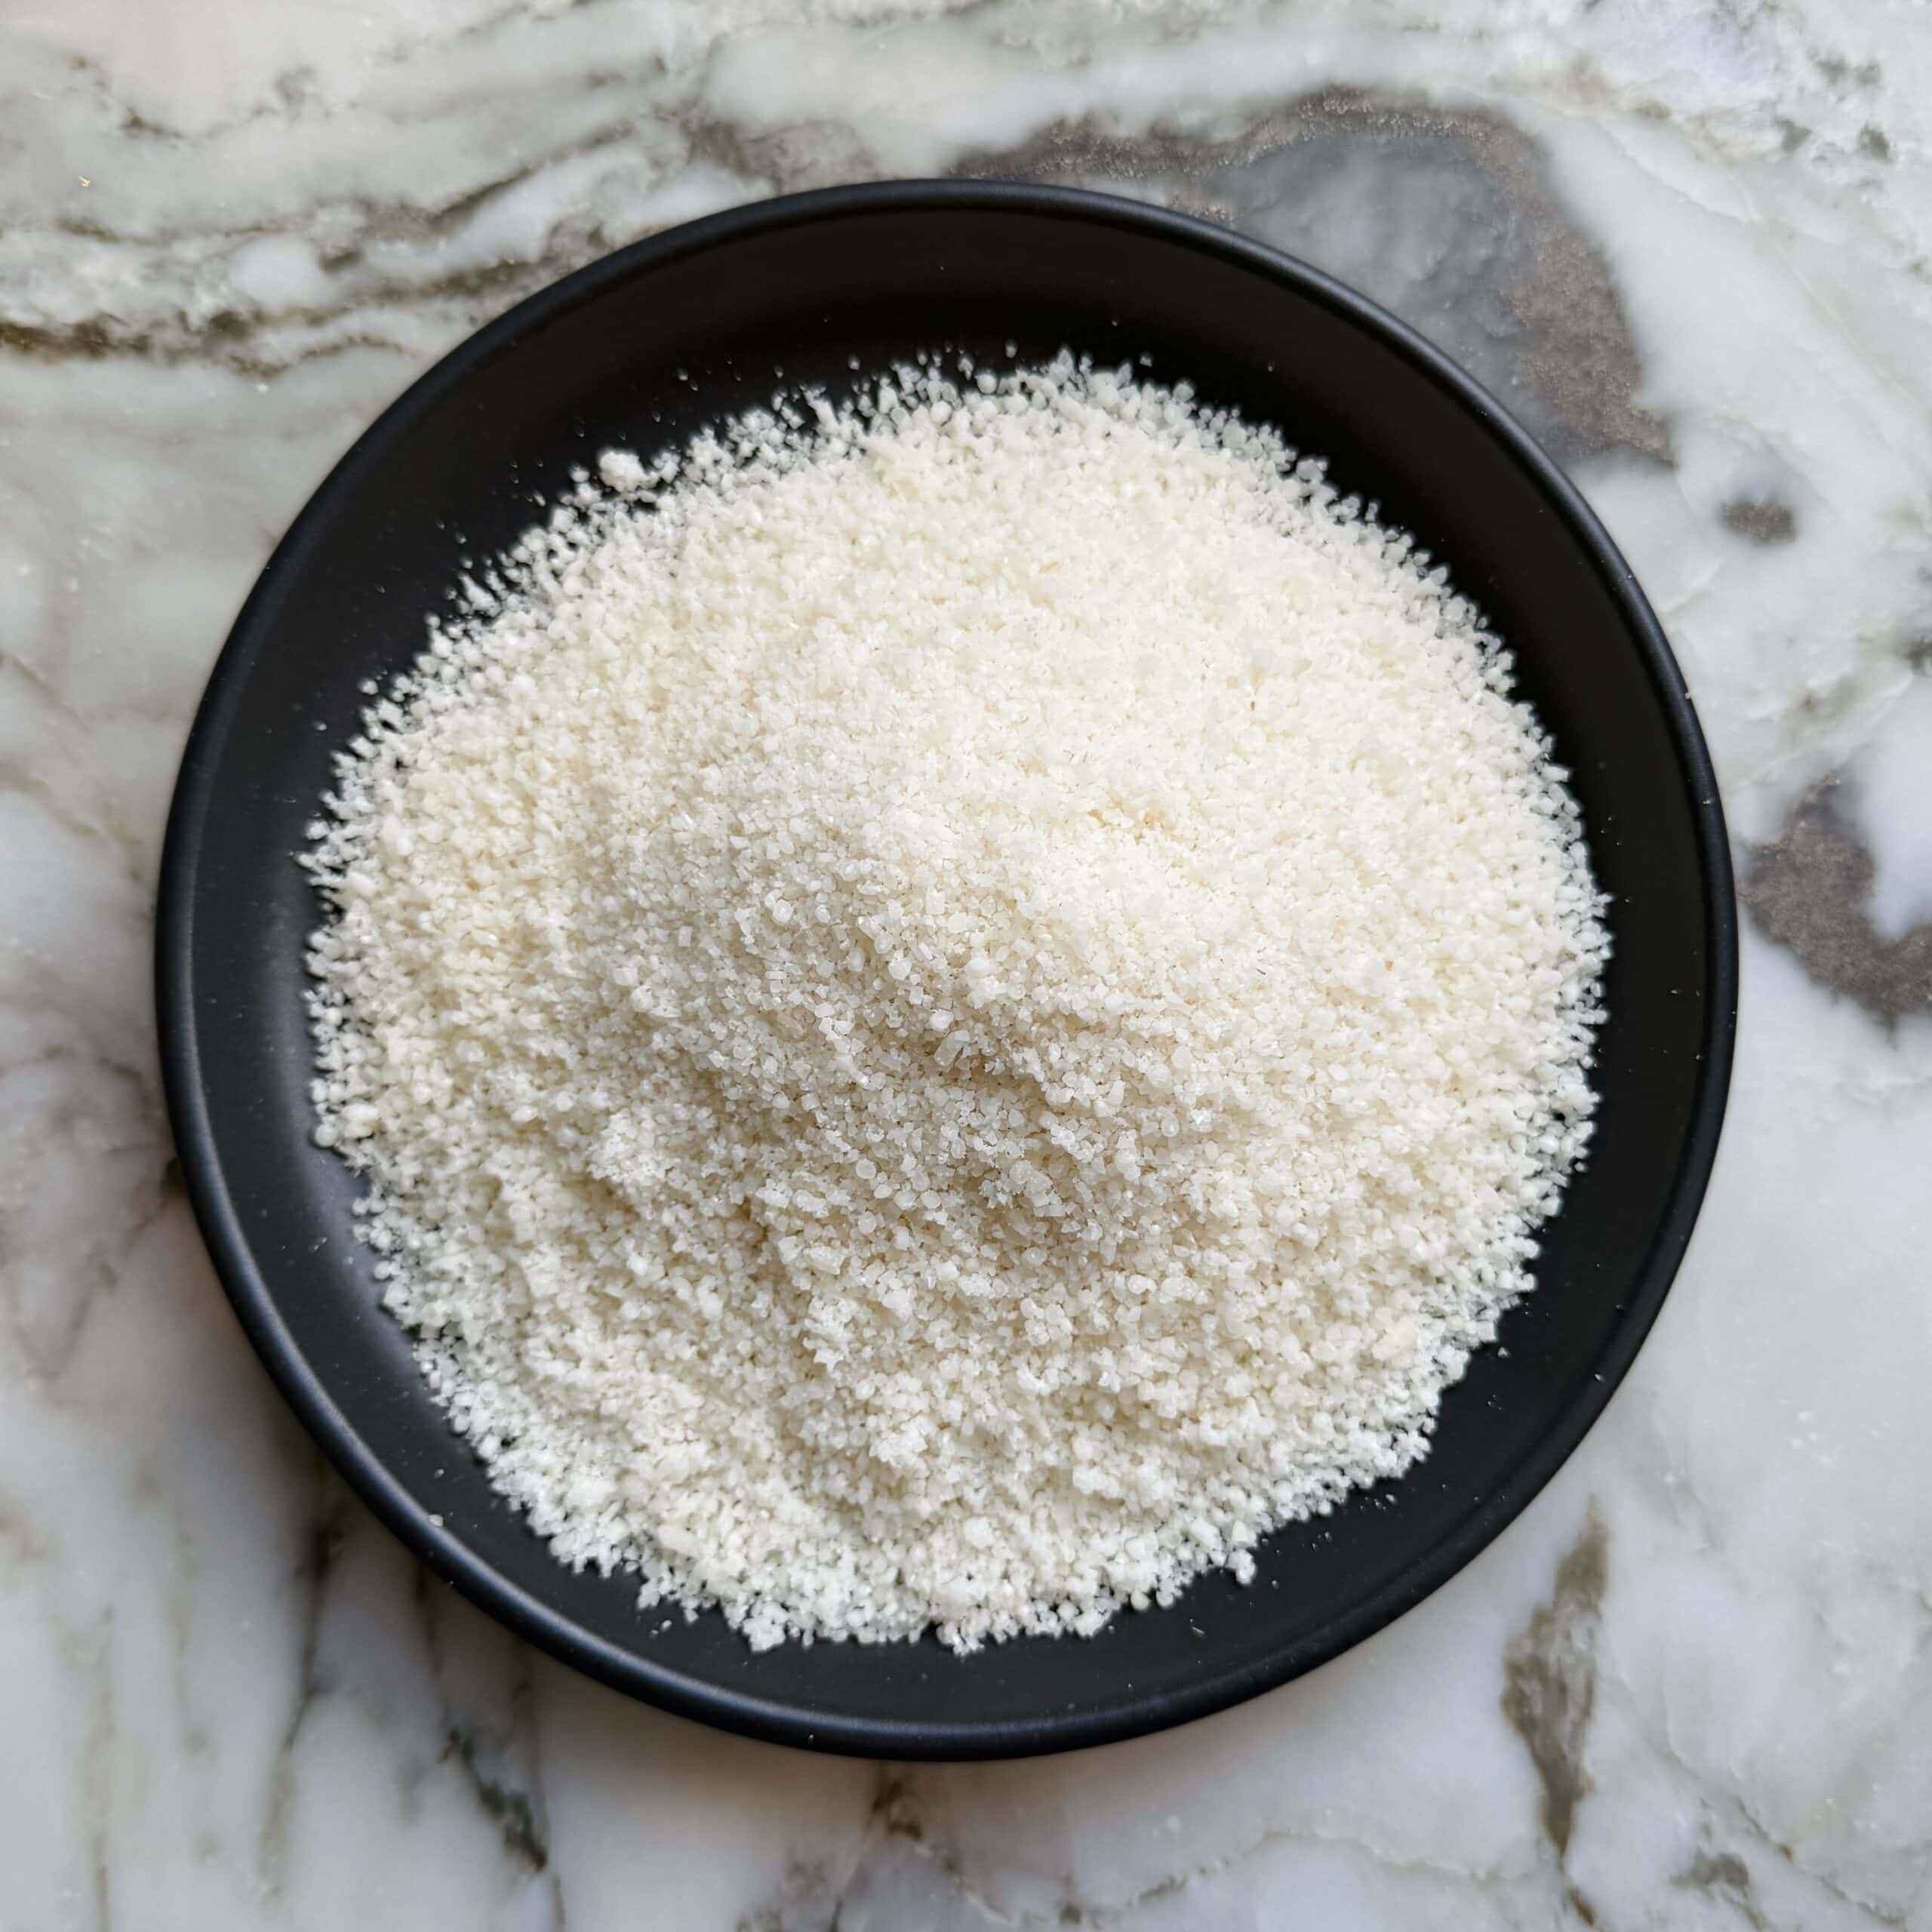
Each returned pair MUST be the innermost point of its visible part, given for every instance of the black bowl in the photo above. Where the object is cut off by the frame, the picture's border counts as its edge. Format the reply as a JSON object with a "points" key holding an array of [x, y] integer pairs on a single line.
{"points": [[453, 471]]}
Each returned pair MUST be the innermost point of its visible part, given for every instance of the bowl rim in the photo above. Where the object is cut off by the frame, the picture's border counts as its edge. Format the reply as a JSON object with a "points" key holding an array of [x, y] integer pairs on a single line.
{"points": [[306, 1388]]}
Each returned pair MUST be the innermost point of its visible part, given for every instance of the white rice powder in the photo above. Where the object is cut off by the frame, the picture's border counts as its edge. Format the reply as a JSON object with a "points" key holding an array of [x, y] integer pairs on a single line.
{"points": [[952, 1007]]}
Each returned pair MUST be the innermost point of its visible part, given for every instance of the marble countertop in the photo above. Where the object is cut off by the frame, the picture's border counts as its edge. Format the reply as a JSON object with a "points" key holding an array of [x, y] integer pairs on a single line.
{"points": [[1690, 242]]}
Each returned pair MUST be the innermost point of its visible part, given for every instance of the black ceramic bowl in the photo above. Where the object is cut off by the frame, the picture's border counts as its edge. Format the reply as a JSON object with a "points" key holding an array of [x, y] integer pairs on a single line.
{"points": [[802, 285]]}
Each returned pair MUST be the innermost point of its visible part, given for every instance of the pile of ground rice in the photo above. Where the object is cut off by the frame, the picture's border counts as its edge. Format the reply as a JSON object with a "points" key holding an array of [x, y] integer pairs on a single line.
{"points": [[953, 1006]]}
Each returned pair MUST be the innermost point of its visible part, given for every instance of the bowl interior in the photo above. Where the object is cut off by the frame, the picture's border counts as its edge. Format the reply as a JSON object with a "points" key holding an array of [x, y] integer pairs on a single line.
{"points": [[791, 292]]}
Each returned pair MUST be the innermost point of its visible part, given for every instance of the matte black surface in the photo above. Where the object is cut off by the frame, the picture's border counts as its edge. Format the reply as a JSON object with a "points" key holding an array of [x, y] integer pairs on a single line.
{"points": [[451, 472]]}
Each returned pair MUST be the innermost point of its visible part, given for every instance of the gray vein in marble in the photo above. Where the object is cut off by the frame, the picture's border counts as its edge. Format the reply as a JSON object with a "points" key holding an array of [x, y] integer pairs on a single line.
{"points": [[492, 1741], [1809, 890], [1524, 297], [1186, 1883], [1758, 1831], [524, 1835], [1728, 1813], [47, 1328], [510, 1794], [326, 1537], [896, 1832], [1762, 519], [197, 315], [1550, 1687], [18, 774], [1724, 1877], [90, 1653], [1469, 240]]}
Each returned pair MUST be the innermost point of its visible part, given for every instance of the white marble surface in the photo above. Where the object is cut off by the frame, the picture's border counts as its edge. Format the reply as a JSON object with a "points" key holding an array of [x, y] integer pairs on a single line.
{"points": [[1693, 240]]}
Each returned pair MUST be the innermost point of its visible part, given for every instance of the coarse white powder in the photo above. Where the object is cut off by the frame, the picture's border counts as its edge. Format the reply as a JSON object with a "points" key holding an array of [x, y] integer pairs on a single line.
{"points": [[953, 1006]]}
